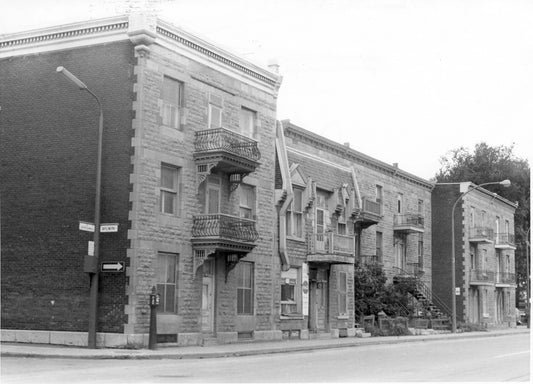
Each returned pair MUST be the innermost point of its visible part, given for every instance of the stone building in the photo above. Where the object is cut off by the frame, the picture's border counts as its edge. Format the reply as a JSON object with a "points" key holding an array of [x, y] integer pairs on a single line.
{"points": [[383, 212], [188, 176], [484, 254]]}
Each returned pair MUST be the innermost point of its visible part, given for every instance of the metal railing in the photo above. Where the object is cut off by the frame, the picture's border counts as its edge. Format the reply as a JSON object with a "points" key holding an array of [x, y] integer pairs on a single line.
{"points": [[371, 206], [411, 219], [224, 226], [505, 238], [331, 243], [481, 233], [505, 278], [222, 139], [422, 288], [370, 259], [481, 276]]}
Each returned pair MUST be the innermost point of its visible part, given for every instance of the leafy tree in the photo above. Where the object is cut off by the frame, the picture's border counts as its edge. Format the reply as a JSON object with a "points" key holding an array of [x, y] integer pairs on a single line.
{"points": [[484, 164]]}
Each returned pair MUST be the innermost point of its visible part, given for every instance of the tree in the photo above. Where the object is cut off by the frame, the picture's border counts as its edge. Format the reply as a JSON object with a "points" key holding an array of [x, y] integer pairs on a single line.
{"points": [[485, 164]]}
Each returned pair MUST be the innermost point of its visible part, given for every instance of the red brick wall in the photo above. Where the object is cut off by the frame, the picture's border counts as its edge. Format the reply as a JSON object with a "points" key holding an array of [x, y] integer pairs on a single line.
{"points": [[48, 146]]}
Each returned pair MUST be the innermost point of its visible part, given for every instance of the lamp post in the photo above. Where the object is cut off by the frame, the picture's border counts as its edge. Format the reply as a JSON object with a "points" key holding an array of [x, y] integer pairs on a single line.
{"points": [[505, 183], [93, 293], [528, 306]]}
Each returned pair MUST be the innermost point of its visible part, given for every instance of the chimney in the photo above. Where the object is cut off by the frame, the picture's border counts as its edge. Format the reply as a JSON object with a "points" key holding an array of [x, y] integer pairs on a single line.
{"points": [[395, 165], [273, 65], [347, 144]]}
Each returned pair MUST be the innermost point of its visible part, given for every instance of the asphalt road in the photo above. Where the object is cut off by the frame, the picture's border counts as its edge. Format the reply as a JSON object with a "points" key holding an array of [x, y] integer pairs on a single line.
{"points": [[486, 359]]}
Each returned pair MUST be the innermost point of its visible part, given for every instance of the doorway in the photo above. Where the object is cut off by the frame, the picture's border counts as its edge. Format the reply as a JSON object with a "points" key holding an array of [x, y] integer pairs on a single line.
{"points": [[318, 311], [208, 297]]}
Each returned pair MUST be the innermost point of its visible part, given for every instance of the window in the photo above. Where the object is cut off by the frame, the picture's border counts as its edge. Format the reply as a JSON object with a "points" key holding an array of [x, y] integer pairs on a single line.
{"points": [[485, 302], [169, 188], [295, 214], [247, 123], [472, 257], [215, 111], [247, 201], [245, 288], [290, 299], [472, 216], [341, 224], [484, 261], [507, 227], [483, 215], [420, 250], [399, 203], [342, 290], [172, 99], [166, 281], [507, 264], [421, 207], [497, 224], [379, 246], [379, 194]]}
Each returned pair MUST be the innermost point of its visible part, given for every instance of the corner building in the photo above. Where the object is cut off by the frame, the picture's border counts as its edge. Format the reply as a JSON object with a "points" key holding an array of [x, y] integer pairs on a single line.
{"points": [[485, 279], [188, 176]]}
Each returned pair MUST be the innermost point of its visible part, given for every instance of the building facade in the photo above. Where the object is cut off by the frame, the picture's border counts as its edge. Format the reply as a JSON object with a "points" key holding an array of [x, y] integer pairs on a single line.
{"points": [[188, 176], [484, 254]]}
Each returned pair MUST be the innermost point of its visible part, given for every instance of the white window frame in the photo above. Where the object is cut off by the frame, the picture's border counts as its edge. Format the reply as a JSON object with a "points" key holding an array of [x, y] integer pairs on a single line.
{"points": [[244, 205], [248, 122], [167, 281], [171, 111], [173, 190], [245, 288], [295, 216], [293, 278]]}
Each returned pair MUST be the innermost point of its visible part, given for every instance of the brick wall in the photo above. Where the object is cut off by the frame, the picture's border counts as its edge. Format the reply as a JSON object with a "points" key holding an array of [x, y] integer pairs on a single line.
{"points": [[49, 136]]}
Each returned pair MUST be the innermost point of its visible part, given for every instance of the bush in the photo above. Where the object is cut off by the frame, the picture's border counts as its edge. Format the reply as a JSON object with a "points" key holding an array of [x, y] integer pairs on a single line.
{"points": [[472, 327]]}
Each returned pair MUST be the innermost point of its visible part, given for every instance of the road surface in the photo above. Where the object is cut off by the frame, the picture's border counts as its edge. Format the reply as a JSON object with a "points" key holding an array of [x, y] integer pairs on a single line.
{"points": [[486, 359]]}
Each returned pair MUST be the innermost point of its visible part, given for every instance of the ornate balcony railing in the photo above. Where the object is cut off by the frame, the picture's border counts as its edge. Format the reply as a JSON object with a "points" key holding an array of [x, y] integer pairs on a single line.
{"points": [[370, 259], [331, 243], [505, 239], [505, 278], [222, 139], [224, 226], [481, 276]]}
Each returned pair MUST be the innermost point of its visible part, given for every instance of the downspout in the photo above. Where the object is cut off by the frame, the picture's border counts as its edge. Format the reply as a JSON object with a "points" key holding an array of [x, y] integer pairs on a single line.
{"points": [[356, 185], [281, 150]]}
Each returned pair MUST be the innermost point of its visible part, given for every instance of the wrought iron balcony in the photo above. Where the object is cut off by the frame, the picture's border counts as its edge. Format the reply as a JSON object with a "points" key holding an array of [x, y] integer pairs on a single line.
{"points": [[221, 232], [505, 241], [229, 150], [331, 247], [370, 214], [481, 277], [410, 222], [481, 235], [370, 259], [505, 278]]}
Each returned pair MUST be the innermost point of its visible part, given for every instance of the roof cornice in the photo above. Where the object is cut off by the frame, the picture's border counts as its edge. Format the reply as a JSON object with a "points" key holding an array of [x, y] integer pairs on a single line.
{"points": [[349, 154], [137, 30]]}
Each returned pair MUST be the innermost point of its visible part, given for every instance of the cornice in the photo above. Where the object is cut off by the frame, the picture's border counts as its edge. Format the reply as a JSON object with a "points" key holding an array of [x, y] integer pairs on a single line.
{"points": [[137, 30], [349, 154]]}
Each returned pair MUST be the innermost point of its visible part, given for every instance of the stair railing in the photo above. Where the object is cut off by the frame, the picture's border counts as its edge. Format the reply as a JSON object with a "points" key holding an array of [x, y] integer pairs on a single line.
{"points": [[426, 291]]}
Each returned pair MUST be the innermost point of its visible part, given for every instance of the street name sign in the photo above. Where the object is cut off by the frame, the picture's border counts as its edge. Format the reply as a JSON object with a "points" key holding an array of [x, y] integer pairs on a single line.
{"points": [[87, 227], [109, 227], [112, 266]]}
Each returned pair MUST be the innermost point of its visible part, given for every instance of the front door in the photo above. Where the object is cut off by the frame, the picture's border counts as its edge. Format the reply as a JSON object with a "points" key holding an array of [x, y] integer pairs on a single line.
{"points": [[208, 297], [318, 320], [401, 258]]}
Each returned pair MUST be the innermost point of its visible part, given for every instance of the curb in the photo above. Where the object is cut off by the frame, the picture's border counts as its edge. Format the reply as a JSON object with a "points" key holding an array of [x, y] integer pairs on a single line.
{"points": [[156, 355]]}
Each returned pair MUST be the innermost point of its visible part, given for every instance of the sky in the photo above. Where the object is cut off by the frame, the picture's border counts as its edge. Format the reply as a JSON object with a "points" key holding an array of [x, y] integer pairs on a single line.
{"points": [[403, 81]]}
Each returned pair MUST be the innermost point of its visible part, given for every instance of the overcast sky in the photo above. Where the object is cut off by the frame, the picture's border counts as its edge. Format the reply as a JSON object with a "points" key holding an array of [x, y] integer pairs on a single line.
{"points": [[402, 81]]}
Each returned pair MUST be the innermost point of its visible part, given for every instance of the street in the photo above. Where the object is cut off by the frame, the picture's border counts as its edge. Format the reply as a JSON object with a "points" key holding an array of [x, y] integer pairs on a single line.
{"points": [[484, 359]]}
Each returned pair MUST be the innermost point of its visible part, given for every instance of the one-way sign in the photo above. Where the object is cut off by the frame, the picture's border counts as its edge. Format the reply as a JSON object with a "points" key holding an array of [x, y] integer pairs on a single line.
{"points": [[113, 266]]}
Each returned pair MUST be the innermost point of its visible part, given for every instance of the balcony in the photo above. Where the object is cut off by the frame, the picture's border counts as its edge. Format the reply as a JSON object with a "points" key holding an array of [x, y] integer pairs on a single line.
{"points": [[505, 241], [331, 248], [371, 213], [481, 277], [505, 278], [481, 235], [225, 150], [225, 233], [410, 222], [373, 260]]}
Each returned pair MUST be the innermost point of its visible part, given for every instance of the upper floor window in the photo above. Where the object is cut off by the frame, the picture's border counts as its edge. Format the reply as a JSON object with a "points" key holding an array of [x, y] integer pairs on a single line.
{"points": [[341, 224], [169, 189], [497, 222], [379, 246], [166, 275], [295, 214], [483, 215], [321, 209], [420, 250], [248, 122], [399, 203], [172, 94], [245, 288], [247, 201], [379, 194], [507, 227], [215, 112], [421, 207], [472, 216]]}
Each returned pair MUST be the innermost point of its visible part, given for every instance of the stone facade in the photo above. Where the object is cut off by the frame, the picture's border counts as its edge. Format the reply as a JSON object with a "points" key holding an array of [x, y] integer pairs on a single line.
{"points": [[484, 254]]}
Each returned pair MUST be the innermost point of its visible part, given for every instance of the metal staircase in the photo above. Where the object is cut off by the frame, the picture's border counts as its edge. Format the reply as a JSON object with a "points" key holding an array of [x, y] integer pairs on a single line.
{"points": [[422, 293]]}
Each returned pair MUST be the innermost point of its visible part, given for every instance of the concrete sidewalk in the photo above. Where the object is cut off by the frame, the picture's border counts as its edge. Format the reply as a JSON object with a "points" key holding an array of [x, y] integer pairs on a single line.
{"points": [[227, 350]]}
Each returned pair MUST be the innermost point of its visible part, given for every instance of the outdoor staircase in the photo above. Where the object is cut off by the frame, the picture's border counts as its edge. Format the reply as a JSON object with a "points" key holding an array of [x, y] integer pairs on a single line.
{"points": [[431, 303]]}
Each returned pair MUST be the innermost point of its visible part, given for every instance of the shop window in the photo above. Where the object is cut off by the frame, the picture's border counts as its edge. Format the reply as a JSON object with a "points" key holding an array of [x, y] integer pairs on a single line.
{"points": [[290, 292]]}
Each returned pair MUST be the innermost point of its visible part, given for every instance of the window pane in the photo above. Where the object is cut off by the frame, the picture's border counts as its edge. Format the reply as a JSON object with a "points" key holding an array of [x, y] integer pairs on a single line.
{"points": [[298, 200], [171, 91], [247, 301], [168, 202], [168, 177], [171, 269], [170, 293], [287, 292], [247, 121]]}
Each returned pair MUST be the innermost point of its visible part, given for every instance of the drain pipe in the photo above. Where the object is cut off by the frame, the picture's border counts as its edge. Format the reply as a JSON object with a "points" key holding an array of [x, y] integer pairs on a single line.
{"points": [[286, 187]]}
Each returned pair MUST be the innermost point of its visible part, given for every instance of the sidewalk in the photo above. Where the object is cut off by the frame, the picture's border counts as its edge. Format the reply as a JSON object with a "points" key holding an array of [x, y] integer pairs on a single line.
{"points": [[227, 350]]}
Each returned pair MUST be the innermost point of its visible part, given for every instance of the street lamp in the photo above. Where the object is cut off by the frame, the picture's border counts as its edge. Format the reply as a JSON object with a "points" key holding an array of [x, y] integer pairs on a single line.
{"points": [[505, 183], [93, 293]]}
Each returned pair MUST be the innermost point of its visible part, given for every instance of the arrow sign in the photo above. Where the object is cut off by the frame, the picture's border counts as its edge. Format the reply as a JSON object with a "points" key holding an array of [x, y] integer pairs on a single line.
{"points": [[113, 266]]}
